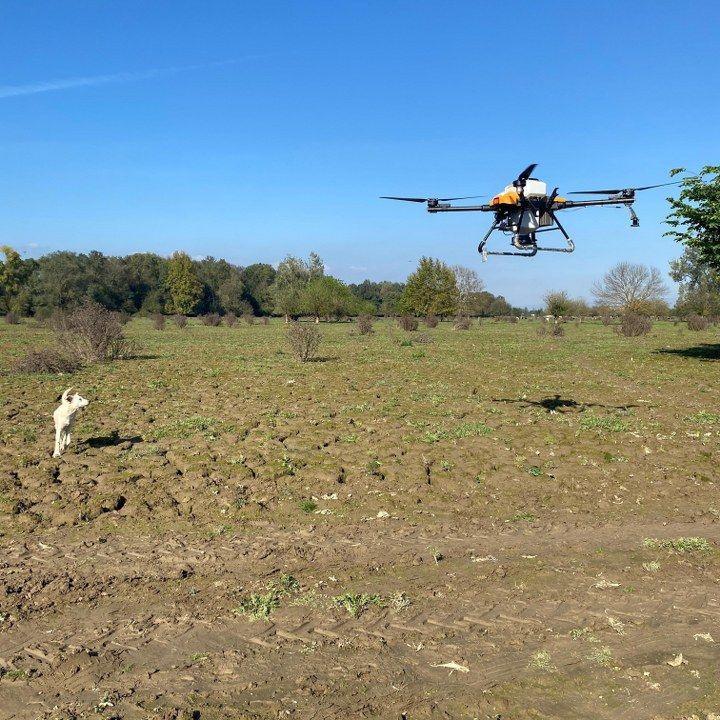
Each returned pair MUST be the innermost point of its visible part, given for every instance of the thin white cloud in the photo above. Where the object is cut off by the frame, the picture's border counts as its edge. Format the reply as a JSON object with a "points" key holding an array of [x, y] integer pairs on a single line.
{"points": [[7, 91]]}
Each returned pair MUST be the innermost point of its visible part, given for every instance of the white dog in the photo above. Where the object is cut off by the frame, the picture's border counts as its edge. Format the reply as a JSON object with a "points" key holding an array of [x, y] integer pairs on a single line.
{"points": [[65, 419]]}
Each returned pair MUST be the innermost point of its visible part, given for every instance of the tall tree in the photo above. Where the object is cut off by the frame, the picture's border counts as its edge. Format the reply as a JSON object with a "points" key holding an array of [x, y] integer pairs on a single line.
{"points": [[328, 297], [258, 279], [14, 276], [430, 290], [291, 278], [558, 302], [629, 286], [184, 287], [469, 287], [699, 284], [695, 214]]}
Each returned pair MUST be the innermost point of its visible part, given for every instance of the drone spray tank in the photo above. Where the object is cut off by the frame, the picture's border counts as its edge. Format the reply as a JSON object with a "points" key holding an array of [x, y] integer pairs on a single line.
{"points": [[529, 217]]}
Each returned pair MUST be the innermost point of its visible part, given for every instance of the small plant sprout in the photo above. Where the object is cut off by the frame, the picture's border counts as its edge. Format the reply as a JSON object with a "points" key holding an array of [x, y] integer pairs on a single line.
{"points": [[308, 506], [398, 601], [258, 606], [601, 656], [541, 660], [437, 556], [652, 567], [356, 603]]}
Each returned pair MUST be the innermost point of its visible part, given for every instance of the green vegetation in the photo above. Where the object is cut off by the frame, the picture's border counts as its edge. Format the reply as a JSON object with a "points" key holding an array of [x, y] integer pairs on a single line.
{"points": [[357, 603], [679, 545]]}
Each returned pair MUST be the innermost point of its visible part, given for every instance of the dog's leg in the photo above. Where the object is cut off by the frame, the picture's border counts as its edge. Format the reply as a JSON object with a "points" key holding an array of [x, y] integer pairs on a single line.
{"points": [[57, 442], [68, 437]]}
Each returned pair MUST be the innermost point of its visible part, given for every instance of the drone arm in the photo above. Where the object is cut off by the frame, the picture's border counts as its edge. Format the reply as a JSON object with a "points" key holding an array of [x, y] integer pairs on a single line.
{"points": [[442, 207], [567, 204]]}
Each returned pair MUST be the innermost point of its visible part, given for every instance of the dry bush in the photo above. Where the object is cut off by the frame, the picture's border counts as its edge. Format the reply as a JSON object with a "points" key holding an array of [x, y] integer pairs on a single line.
{"points": [[91, 334], [697, 322], [265, 320], [462, 323], [634, 325], [12, 318], [123, 317], [509, 318], [158, 321], [249, 318], [551, 329], [304, 340], [431, 321], [407, 322], [423, 339], [47, 360], [606, 319], [180, 320], [230, 319], [364, 324], [211, 320]]}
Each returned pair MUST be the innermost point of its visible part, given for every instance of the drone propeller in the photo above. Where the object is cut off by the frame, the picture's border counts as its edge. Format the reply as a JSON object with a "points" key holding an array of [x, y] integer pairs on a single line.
{"points": [[525, 174], [408, 199], [620, 191]]}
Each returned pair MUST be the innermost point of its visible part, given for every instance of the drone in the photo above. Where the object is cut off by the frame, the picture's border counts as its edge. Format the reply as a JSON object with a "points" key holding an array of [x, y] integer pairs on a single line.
{"points": [[524, 209]]}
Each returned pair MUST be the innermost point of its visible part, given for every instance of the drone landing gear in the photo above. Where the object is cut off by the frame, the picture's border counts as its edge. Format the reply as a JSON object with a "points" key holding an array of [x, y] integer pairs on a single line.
{"points": [[527, 241]]}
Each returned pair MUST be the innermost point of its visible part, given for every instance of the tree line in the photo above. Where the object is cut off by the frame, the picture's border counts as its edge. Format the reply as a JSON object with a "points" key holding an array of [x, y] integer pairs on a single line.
{"points": [[150, 283]]}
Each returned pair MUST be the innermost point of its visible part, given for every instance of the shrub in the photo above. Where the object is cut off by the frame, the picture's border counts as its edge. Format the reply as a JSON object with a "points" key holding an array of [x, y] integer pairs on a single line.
{"points": [[47, 360], [12, 318], [230, 319], [364, 324], [180, 320], [697, 322], [462, 323], [606, 319], [158, 321], [249, 318], [123, 317], [265, 320], [423, 339], [409, 323], [91, 334], [552, 329], [211, 319], [431, 321], [635, 325], [304, 340]]}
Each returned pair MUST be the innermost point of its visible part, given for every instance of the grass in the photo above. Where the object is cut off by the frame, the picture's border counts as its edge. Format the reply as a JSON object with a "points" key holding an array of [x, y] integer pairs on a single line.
{"points": [[704, 418], [308, 506], [679, 545], [604, 424]]}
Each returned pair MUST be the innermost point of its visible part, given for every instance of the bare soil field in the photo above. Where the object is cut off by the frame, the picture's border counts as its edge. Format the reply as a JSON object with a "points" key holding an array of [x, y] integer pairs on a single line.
{"points": [[439, 524]]}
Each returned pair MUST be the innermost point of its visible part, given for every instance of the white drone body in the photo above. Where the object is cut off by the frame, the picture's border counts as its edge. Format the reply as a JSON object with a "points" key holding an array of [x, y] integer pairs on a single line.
{"points": [[524, 222]]}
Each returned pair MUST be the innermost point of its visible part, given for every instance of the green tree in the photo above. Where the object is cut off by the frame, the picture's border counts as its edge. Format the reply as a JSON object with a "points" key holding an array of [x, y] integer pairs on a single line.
{"points": [[327, 296], [430, 290], [258, 279], [557, 302], [14, 276], [699, 284], [695, 214], [291, 278], [183, 285]]}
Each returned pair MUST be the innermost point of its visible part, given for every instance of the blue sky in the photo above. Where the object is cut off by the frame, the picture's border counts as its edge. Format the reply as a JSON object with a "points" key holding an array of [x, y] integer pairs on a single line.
{"points": [[252, 130]]}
